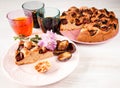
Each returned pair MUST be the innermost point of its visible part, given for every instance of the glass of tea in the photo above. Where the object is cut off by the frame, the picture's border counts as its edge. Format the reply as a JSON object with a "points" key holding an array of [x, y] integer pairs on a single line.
{"points": [[33, 6], [50, 19], [21, 22]]}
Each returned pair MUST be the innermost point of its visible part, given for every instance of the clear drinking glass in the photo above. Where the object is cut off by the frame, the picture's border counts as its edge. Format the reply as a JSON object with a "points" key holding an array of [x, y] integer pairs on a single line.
{"points": [[21, 22], [50, 19], [33, 6]]}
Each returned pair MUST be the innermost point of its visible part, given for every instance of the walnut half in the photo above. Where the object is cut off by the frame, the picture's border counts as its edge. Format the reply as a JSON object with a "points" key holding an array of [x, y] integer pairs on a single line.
{"points": [[43, 66]]}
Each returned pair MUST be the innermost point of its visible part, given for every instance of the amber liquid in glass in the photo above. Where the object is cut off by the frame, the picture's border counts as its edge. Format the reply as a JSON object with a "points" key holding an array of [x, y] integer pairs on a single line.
{"points": [[22, 26]]}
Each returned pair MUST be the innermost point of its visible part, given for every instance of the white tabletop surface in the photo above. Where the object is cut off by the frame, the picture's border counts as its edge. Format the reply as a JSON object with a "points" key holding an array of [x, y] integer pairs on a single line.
{"points": [[99, 65]]}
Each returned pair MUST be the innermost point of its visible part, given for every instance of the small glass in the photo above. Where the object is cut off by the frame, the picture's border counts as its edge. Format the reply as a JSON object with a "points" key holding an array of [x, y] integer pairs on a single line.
{"points": [[50, 19], [33, 6], [21, 22]]}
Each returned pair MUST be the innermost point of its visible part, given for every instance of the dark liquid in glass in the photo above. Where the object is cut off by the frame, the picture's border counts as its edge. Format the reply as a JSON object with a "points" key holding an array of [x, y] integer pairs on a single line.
{"points": [[50, 23], [35, 21]]}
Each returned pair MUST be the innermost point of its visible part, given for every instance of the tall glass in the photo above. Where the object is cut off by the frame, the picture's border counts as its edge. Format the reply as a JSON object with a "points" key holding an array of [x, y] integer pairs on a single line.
{"points": [[33, 6]]}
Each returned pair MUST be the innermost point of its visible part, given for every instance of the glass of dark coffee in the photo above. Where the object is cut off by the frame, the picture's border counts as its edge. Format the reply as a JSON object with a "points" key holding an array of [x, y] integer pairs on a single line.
{"points": [[33, 6], [50, 19]]}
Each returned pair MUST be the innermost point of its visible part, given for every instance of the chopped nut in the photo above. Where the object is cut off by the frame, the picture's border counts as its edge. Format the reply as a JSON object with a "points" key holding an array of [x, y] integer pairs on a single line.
{"points": [[43, 66]]}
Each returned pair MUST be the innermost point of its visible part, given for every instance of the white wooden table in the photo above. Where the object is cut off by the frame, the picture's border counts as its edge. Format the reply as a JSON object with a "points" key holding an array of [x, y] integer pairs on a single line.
{"points": [[99, 65]]}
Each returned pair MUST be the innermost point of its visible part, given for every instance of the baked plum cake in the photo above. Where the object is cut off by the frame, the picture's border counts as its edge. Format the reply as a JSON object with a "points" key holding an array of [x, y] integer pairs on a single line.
{"points": [[95, 25]]}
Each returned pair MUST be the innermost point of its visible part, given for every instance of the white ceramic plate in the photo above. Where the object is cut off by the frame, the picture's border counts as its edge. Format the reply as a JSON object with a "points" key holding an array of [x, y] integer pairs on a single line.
{"points": [[27, 75]]}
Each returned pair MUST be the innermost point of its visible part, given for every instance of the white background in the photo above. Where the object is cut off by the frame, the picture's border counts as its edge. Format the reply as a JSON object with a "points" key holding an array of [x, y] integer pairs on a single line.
{"points": [[99, 65]]}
